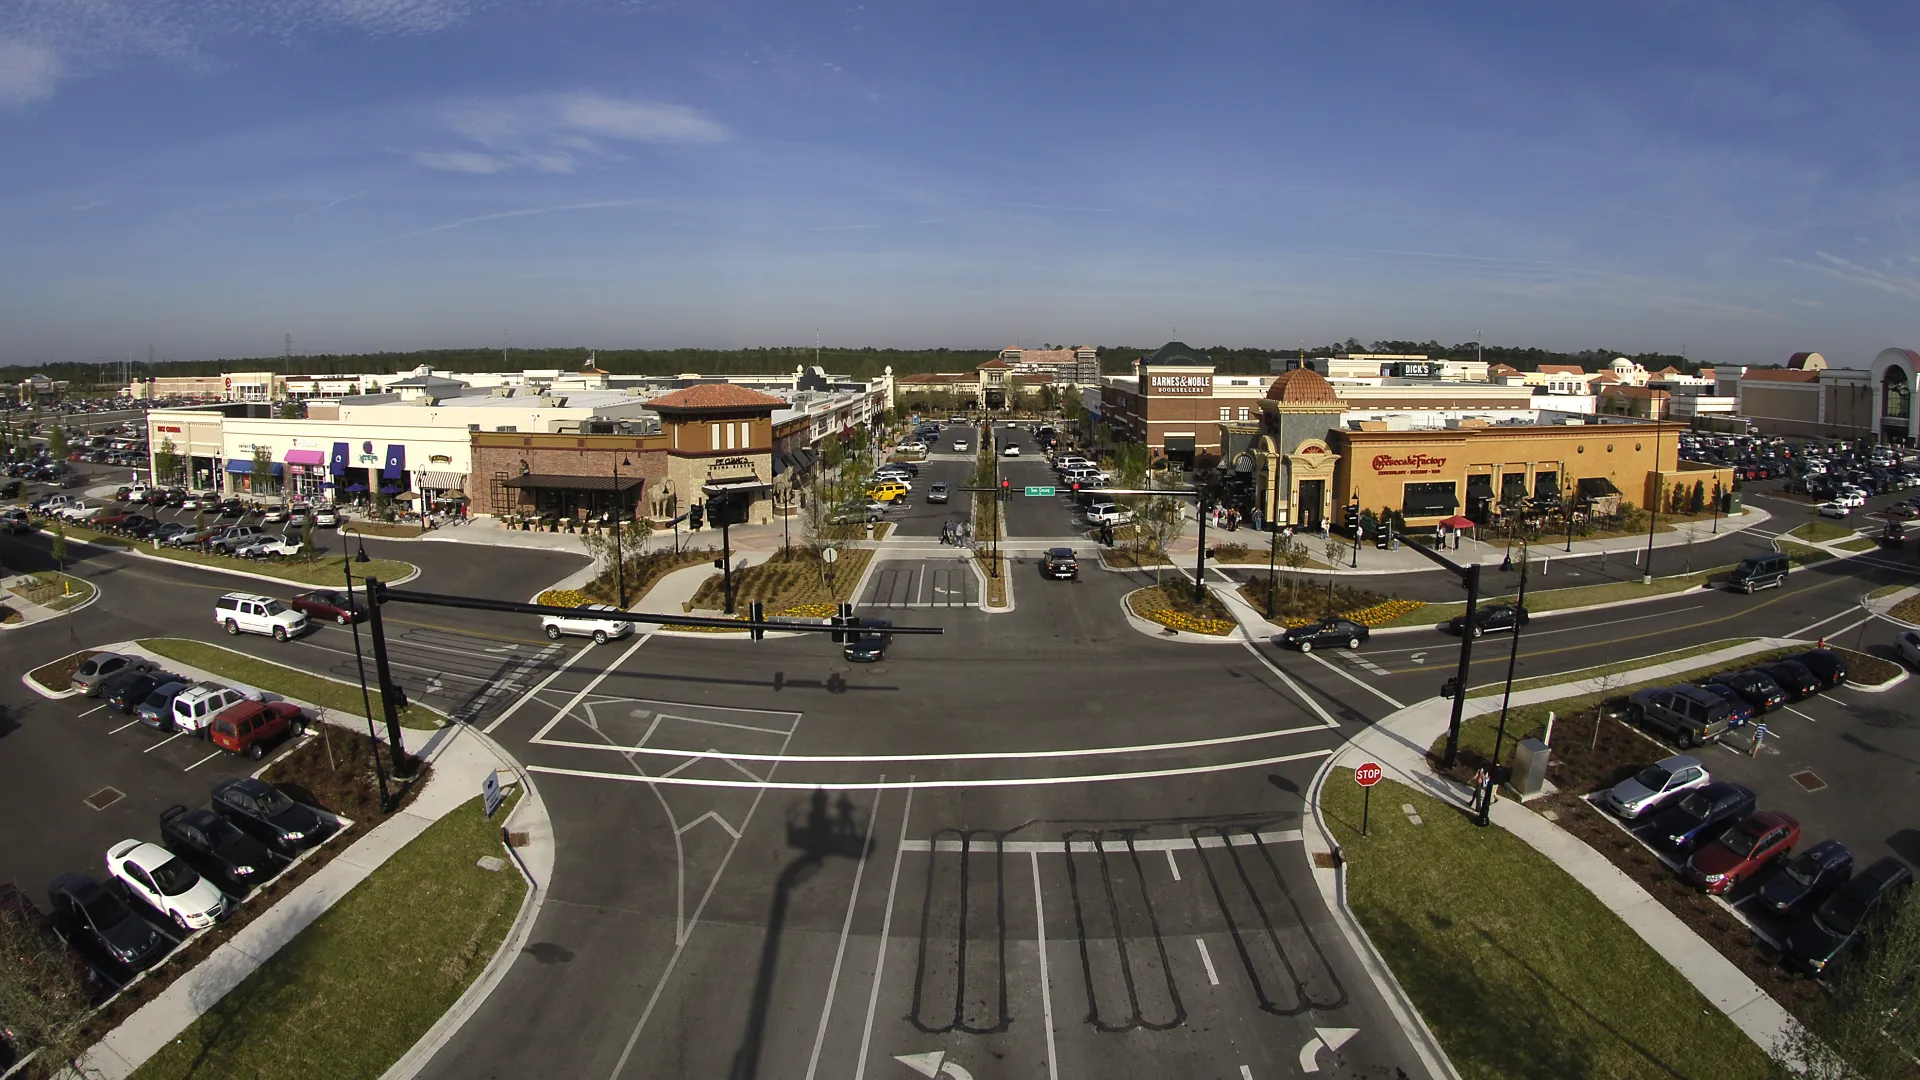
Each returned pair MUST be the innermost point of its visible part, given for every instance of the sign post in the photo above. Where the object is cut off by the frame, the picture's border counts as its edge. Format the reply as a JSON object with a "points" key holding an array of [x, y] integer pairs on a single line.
{"points": [[490, 792], [1366, 774]]}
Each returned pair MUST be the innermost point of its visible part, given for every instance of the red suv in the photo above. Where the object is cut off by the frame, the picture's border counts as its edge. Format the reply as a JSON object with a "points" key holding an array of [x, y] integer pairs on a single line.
{"points": [[1743, 850], [248, 728]]}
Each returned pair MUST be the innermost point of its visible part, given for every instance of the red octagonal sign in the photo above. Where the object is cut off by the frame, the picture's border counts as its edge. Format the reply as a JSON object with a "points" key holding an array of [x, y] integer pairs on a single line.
{"points": [[1367, 774]]}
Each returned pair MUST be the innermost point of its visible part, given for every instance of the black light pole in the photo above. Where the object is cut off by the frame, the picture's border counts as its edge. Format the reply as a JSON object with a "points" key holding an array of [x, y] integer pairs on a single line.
{"points": [[619, 540], [1273, 552], [1653, 511], [390, 695], [1200, 559], [723, 504], [1513, 657], [360, 660], [1717, 496]]}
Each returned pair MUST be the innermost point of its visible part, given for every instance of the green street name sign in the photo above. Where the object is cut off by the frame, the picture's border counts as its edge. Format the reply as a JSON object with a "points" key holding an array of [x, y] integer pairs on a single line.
{"points": [[1039, 491]]}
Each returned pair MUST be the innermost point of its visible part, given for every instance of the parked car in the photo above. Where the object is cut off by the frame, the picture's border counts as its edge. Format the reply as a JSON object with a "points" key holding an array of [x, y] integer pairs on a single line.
{"points": [[1818, 940], [1794, 678], [129, 688], [1802, 882], [1011, 450], [163, 881], [95, 671], [233, 537], [195, 707], [1757, 687], [254, 614], [251, 726], [936, 493], [270, 546], [600, 627], [1688, 821], [264, 812], [869, 643], [273, 515], [330, 604], [325, 517], [1489, 619], [191, 536], [1825, 665], [1688, 715], [1743, 850], [1332, 633], [102, 927], [1059, 563], [156, 709], [1655, 785], [216, 847], [16, 521]]}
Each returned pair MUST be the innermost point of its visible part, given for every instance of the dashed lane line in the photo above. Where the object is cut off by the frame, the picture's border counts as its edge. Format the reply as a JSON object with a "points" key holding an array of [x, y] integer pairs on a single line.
{"points": [[1356, 680]]}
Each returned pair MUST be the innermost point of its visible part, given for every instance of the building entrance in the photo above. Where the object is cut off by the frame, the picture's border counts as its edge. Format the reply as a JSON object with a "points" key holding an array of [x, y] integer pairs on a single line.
{"points": [[1312, 497]]}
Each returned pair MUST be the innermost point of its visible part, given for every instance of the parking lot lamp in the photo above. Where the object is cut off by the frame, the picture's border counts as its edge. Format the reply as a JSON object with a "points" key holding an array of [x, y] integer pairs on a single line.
{"points": [[359, 659], [619, 538], [1273, 554], [1653, 509], [1513, 656]]}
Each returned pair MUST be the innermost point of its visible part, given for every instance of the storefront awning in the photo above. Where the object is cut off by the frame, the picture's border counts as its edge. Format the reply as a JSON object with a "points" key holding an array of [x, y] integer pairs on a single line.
{"points": [[245, 467], [441, 481], [1429, 500], [722, 487], [575, 483], [1596, 487], [306, 457], [1479, 486], [337, 463]]}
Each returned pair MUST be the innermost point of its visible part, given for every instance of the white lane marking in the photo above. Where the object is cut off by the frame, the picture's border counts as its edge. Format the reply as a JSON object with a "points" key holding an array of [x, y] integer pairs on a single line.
{"points": [[846, 927], [1006, 755], [592, 684], [1850, 626], [202, 761], [93, 710], [1173, 864], [1532, 633], [123, 727], [543, 684], [433, 671], [1325, 717], [1355, 679], [708, 816], [1091, 847], [163, 742], [1836, 615], [720, 723], [1046, 987], [1798, 713], [886, 929], [997, 781], [1246, 1073], [1206, 961]]}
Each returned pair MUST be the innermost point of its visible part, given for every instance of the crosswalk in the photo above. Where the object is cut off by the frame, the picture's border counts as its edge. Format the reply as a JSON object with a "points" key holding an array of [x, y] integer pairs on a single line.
{"points": [[899, 583]]}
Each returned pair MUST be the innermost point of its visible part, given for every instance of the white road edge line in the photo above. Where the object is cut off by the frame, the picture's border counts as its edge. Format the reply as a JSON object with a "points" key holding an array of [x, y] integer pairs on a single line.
{"points": [[1213, 979], [592, 685], [1091, 847], [996, 781], [529, 695], [1323, 714], [1046, 987], [1173, 864], [1354, 679], [1009, 755], [93, 710], [846, 927], [886, 929], [201, 762]]}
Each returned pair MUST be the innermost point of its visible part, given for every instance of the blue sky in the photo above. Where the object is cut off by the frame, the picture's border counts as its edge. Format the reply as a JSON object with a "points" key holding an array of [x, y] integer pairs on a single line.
{"points": [[208, 175]]}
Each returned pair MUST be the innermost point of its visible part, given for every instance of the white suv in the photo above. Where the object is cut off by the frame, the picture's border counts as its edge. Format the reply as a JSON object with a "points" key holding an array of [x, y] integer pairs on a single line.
{"points": [[257, 615], [599, 627], [195, 707]]}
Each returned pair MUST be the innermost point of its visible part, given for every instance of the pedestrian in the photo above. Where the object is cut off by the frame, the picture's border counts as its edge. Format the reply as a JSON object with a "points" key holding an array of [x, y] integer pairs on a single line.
{"points": [[1439, 536], [1456, 539]]}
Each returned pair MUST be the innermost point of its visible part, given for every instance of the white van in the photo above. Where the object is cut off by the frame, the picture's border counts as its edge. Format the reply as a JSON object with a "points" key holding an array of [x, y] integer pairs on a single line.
{"points": [[238, 612]]}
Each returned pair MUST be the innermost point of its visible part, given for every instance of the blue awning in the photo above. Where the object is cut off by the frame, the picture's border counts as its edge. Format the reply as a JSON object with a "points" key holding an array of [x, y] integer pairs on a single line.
{"points": [[338, 463], [396, 462], [245, 468]]}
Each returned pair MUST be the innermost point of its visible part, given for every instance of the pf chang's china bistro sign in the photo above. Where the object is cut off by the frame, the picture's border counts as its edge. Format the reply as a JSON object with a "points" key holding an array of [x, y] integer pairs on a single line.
{"points": [[1197, 385], [1411, 465]]}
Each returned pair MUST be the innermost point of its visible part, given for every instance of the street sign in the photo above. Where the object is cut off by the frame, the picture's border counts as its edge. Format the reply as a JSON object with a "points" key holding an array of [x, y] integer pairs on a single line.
{"points": [[829, 555], [1367, 774], [1039, 491], [490, 792]]}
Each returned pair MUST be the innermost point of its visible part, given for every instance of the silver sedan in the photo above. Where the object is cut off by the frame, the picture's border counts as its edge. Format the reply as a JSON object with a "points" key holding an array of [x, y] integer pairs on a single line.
{"points": [[1656, 784]]}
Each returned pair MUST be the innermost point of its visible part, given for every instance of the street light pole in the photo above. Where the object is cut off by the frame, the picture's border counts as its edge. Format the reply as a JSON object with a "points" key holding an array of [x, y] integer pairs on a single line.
{"points": [[619, 542], [1200, 560], [1513, 658], [360, 661], [1653, 510], [1273, 553]]}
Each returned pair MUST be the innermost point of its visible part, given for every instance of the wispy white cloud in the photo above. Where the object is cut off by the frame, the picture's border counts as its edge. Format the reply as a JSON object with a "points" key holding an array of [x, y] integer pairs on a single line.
{"points": [[1847, 270], [559, 133], [533, 211], [28, 73], [327, 205], [94, 204]]}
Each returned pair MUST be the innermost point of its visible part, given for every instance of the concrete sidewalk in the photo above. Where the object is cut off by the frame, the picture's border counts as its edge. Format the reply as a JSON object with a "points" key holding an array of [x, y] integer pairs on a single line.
{"points": [[1399, 744], [461, 758]]}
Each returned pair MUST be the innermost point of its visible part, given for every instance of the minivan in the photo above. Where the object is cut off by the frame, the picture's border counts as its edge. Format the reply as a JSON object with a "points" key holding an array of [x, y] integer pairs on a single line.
{"points": [[1759, 572]]}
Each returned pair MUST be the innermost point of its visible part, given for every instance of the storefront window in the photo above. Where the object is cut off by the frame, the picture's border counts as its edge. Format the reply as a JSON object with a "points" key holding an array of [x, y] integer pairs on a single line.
{"points": [[1897, 395], [1428, 499]]}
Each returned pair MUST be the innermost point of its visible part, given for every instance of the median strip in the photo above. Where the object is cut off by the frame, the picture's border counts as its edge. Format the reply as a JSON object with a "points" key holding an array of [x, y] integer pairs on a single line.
{"points": [[331, 694]]}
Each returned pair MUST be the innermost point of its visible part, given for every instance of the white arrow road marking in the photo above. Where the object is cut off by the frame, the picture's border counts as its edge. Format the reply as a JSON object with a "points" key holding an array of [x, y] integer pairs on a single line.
{"points": [[934, 1064], [1325, 1039], [716, 819], [1418, 658]]}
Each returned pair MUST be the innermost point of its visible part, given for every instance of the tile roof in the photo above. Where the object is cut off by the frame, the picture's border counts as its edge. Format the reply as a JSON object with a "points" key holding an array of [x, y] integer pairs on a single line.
{"points": [[716, 396], [1562, 369]]}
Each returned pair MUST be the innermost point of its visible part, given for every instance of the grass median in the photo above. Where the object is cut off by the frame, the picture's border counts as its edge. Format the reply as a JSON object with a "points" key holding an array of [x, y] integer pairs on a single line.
{"points": [[1820, 532], [1518, 969], [1541, 600], [1603, 670], [357, 988], [280, 679]]}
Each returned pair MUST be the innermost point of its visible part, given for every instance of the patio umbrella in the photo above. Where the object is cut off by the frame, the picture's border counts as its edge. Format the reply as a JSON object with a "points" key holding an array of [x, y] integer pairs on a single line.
{"points": [[399, 495], [356, 488], [389, 489], [1458, 522]]}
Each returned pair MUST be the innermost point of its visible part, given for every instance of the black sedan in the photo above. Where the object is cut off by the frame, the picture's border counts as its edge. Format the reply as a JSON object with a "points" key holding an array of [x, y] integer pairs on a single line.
{"points": [[263, 812], [1808, 878], [1696, 816], [1826, 665], [1757, 687], [869, 644], [100, 924], [216, 847], [1817, 940], [1795, 679], [126, 692], [1060, 565], [1490, 619], [1327, 633]]}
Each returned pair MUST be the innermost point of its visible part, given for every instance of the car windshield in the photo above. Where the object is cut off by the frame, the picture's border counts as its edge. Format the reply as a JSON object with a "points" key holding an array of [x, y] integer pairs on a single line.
{"points": [[1653, 778], [1738, 841], [1803, 872], [104, 909], [1696, 805], [1841, 914], [272, 803], [174, 877]]}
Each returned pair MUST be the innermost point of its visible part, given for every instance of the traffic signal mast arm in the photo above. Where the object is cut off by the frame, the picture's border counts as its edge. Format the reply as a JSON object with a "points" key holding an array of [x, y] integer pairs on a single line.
{"points": [[380, 594]]}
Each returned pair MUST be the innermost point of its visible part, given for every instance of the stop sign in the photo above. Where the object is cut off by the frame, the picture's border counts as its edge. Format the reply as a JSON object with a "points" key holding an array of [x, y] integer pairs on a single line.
{"points": [[1367, 774]]}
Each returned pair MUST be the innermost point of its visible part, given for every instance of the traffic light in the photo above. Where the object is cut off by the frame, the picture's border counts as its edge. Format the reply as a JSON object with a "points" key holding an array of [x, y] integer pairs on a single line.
{"points": [[1006, 490], [1076, 488], [696, 514], [843, 623], [756, 614]]}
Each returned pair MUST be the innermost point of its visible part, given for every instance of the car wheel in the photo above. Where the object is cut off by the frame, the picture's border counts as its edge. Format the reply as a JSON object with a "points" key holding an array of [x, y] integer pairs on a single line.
{"points": [[279, 633], [1684, 740], [553, 632], [1479, 632], [233, 628], [256, 751], [1637, 716], [599, 637], [180, 921], [340, 619], [1353, 643], [1306, 646]]}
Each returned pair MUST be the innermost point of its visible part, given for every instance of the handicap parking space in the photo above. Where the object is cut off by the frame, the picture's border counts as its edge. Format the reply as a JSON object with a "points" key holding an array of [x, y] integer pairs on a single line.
{"points": [[901, 583]]}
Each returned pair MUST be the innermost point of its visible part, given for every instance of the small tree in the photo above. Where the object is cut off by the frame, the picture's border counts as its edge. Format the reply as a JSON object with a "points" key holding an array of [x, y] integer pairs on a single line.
{"points": [[1333, 547], [1294, 554], [262, 469], [57, 443], [60, 545], [1869, 1027], [1698, 500], [166, 461], [43, 994], [306, 536]]}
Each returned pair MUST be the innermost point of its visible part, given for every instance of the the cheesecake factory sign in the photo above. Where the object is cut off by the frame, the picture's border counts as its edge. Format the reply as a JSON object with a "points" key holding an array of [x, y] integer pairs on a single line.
{"points": [[1197, 385], [1411, 465]]}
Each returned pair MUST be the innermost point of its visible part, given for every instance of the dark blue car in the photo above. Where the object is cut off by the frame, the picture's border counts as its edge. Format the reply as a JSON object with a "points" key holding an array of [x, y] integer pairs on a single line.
{"points": [[1692, 819], [1808, 878]]}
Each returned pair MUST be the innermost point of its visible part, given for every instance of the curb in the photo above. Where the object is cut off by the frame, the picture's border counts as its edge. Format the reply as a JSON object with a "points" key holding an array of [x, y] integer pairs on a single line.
{"points": [[1160, 633], [134, 550], [51, 614], [133, 646], [27, 679]]}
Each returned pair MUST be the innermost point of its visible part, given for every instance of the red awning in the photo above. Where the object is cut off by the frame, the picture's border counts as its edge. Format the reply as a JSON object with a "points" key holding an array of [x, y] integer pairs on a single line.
{"points": [[1458, 522]]}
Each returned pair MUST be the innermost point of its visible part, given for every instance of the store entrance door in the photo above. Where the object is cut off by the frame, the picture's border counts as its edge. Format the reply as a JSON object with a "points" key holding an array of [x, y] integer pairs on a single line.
{"points": [[1312, 496]]}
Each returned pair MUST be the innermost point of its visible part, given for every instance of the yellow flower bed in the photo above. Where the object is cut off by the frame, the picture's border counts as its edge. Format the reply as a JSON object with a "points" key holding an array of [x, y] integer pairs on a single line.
{"points": [[562, 598], [1378, 615], [1192, 624], [798, 611]]}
